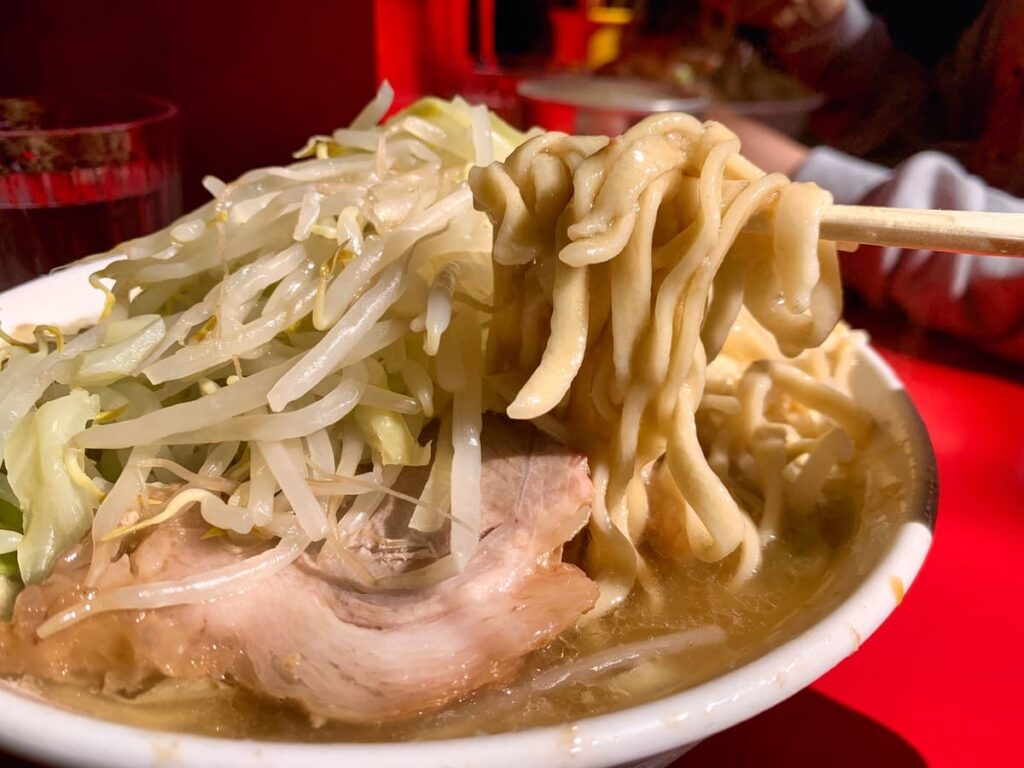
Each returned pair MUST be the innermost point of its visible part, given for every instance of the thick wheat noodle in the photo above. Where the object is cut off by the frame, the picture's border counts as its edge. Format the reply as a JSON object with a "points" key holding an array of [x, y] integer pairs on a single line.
{"points": [[726, 303], [798, 275], [666, 305], [536, 321], [564, 352], [518, 232], [657, 218], [631, 276], [820, 397], [753, 388], [750, 553], [770, 459], [696, 298], [603, 232], [700, 486], [611, 552], [671, 291]]}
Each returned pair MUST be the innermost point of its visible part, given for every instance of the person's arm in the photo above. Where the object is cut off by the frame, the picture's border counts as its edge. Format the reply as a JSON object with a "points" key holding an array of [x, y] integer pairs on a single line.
{"points": [[780, 14], [873, 91], [840, 49], [811, 35], [980, 298], [768, 149]]}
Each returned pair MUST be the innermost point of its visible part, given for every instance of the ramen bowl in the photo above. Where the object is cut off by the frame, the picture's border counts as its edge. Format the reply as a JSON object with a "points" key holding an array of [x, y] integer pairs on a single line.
{"points": [[861, 593]]}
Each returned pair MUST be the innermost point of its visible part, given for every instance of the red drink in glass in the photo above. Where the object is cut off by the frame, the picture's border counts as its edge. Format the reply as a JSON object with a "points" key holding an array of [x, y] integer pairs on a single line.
{"points": [[79, 175]]}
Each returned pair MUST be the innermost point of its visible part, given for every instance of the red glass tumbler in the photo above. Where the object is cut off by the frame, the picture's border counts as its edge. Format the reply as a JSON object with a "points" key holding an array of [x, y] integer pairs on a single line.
{"points": [[80, 174]]}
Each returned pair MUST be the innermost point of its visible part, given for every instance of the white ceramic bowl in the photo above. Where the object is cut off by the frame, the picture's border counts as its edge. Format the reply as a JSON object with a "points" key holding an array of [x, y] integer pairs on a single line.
{"points": [[646, 736]]}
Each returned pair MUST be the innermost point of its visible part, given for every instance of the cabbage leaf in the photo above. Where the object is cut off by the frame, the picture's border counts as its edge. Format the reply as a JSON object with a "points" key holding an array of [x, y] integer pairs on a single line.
{"points": [[48, 479], [10, 521]]}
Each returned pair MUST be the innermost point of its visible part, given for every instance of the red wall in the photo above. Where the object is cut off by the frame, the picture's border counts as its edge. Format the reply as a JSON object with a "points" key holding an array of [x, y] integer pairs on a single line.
{"points": [[423, 47], [253, 79]]}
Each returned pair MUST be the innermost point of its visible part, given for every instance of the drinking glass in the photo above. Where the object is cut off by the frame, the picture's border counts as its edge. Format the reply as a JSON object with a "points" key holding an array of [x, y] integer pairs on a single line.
{"points": [[79, 174]]}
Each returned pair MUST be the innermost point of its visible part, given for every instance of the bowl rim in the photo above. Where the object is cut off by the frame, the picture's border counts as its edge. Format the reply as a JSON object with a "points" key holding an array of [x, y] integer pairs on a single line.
{"points": [[160, 110], [28, 724], [581, 92]]}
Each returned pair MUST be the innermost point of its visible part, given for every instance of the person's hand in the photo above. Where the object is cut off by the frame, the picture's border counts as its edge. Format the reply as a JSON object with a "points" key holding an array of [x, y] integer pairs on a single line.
{"points": [[779, 14], [764, 146]]}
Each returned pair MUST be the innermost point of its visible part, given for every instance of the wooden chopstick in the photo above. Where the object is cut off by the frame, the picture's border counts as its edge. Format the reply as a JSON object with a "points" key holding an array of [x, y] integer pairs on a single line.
{"points": [[984, 234]]}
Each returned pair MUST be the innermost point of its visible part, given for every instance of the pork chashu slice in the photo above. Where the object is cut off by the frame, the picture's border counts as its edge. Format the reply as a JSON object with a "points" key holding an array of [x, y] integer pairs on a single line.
{"points": [[312, 636]]}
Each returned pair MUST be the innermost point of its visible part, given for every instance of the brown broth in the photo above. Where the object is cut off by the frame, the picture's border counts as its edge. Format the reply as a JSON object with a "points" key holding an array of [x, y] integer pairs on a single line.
{"points": [[812, 566]]}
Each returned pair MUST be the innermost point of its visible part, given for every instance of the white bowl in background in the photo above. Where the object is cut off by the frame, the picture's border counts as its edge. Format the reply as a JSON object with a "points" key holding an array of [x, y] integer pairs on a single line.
{"points": [[651, 735], [602, 105]]}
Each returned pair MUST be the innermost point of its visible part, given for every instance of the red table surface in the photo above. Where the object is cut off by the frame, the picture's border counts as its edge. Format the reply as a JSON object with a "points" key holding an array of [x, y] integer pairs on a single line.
{"points": [[940, 683]]}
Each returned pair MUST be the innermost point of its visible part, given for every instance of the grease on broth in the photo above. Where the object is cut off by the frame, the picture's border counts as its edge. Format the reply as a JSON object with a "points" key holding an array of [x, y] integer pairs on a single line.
{"points": [[805, 572]]}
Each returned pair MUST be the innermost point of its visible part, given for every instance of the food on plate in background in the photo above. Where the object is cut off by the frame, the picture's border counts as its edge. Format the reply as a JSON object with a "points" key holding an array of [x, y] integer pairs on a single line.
{"points": [[736, 73]]}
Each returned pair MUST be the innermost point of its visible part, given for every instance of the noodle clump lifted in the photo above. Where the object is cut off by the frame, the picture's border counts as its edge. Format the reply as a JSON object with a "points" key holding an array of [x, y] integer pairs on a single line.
{"points": [[621, 268]]}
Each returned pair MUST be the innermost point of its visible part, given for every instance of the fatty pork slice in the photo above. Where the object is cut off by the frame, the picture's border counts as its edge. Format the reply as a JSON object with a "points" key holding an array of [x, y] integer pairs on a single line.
{"points": [[314, 637]]}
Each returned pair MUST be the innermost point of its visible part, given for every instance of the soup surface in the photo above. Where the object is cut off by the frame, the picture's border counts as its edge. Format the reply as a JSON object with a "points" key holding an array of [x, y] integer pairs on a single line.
{"points": [[806, 571]]}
